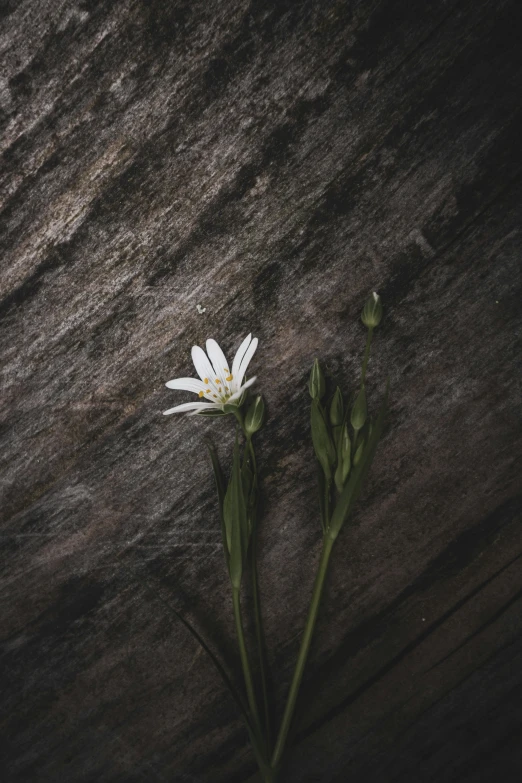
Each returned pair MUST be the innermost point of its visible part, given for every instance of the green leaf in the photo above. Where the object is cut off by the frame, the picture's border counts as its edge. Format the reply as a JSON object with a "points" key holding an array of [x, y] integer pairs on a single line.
{"points": [[226, 679], [220, 488], [354, 485], [210, 413], [236, 522]]}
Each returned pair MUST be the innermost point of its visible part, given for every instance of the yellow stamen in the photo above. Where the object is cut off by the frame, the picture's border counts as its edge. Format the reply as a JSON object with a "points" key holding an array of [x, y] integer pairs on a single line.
{"points": [[217, 380], [200, 394], [229, 378], [208, 391], [215, 395], [206, 380]]}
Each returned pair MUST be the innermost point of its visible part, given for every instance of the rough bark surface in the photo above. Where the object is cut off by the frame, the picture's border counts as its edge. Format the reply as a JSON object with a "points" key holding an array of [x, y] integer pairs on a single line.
{"points": [[271, 162]]}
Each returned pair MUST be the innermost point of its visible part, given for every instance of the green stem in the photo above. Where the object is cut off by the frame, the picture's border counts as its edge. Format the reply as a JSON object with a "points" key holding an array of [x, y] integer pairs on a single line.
{"points": [[327, 490], [260, 641], [303, 650], [366, 355], [258, 621], [247, 674]]}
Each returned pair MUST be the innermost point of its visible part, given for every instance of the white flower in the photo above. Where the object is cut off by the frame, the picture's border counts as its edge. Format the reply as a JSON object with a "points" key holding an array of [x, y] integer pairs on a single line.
{"points": [[218, 383]]}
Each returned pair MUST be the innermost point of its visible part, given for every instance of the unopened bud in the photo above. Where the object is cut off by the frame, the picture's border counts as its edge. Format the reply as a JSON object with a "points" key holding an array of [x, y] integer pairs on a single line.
{"points": [[255, 415], [343, 458], [316, 384], [346, 448], [359, 411], [372, 311], [336, 409]]}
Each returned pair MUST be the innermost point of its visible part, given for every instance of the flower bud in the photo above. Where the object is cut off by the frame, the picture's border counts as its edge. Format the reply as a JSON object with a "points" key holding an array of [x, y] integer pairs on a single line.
{"points": [[343, 458], [316, 384], [359, 411], [372, 311], [255, 416], [336, 409], [346, 448]]}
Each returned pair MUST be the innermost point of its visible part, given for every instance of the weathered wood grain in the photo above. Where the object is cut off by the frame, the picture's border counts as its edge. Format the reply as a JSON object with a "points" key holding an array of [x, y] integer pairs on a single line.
{"points": [[272, 162]]}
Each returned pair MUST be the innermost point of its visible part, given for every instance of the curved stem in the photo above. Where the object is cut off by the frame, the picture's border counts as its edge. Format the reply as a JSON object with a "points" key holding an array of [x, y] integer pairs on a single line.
{"points": [[303, 650], [247, 674]]}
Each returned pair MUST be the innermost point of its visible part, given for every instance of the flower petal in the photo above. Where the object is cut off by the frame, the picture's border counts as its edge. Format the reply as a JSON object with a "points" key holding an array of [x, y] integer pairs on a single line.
{"points": [[189, 406], [186, 384], [202, 364], [246, 360], [218, 359], [240, 391], [238, 358], [217, 410]]}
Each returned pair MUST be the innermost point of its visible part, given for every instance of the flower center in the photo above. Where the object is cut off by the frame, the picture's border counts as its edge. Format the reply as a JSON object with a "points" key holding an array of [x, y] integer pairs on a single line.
{"points": [[222, 393]]}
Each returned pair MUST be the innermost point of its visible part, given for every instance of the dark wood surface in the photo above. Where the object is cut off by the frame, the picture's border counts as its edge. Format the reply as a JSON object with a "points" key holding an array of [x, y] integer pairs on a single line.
{"points": [[272, 162]]}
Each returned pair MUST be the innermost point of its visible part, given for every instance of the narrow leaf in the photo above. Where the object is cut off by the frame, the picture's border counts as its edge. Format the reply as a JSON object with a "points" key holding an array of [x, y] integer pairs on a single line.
{"points": [[226, 679], [236, 523]]}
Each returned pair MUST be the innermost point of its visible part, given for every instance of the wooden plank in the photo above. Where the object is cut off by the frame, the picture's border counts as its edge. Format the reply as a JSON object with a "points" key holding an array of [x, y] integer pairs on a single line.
{"points": [[271, 163]]}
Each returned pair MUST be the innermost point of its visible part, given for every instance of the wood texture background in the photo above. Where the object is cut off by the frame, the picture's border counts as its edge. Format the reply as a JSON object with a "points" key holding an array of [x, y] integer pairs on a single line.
{"points": [[272, 162]]}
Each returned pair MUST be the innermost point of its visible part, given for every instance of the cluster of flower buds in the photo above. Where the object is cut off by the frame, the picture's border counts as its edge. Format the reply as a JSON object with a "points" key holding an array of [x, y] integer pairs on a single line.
{"points": [[331, 430], [341, 435]]}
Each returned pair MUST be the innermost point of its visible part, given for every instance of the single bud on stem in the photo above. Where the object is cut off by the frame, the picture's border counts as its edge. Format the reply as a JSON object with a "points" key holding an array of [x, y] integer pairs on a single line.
{"points": [[359, 411], [372, 311], [255, 415], [337, 416], [316, 384]]}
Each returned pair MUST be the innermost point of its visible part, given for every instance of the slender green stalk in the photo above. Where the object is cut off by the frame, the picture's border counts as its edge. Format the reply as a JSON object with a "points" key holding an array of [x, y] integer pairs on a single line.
{"points": [[245, 663], [258, 621], [366, 355], [327, 490], [303, 650]]}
